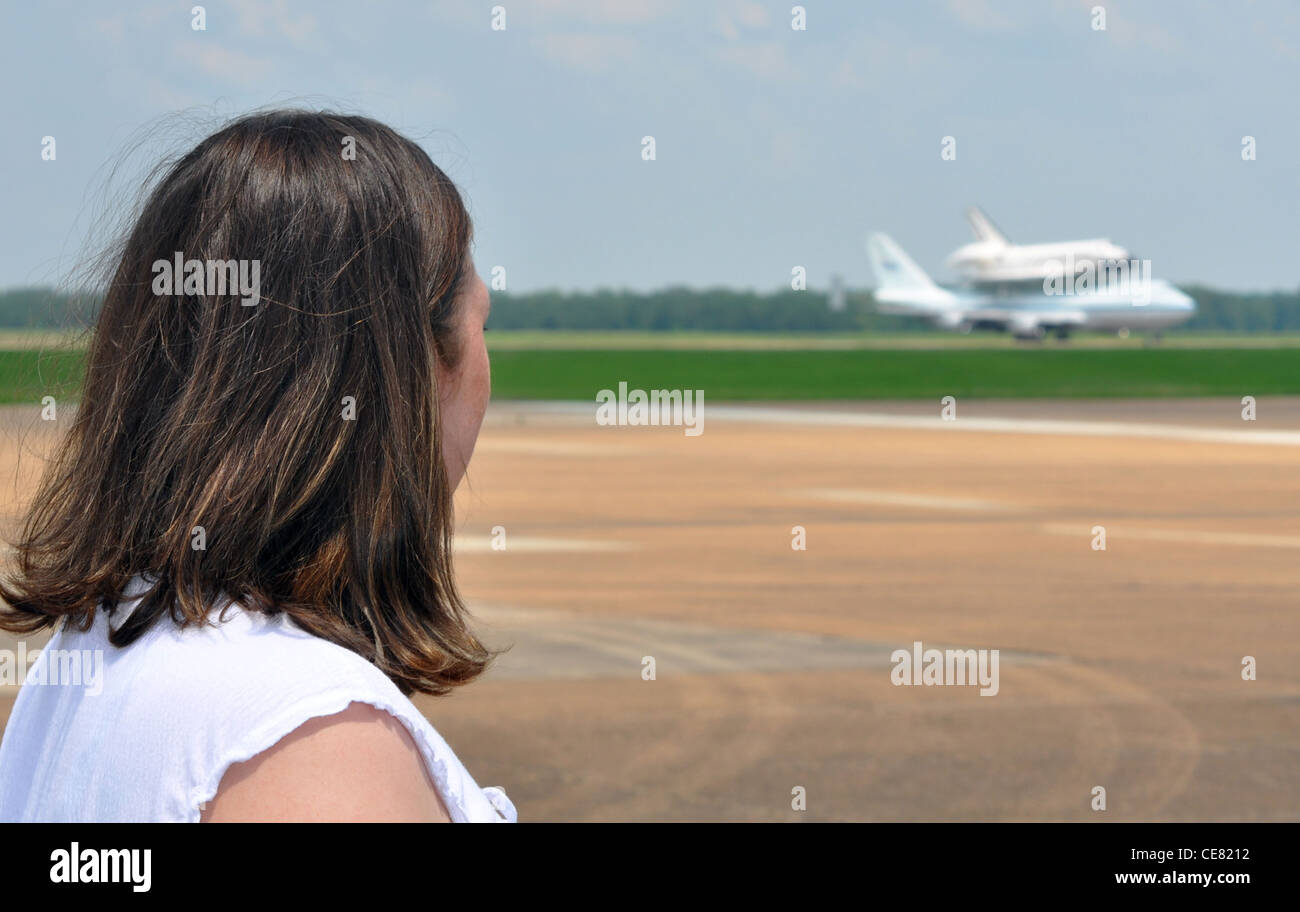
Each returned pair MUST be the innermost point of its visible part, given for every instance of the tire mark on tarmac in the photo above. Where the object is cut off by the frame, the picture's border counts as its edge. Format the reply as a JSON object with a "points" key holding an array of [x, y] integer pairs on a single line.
{"points": [[1119, 718], [742, 734]]}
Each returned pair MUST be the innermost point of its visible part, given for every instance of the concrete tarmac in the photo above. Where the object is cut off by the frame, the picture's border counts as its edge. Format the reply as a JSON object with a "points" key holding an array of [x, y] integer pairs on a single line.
{"points": [[626, 547]]}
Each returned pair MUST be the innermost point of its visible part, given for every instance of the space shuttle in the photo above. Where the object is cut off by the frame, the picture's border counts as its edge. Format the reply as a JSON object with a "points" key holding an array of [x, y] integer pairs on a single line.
{"points": [[992, 258]]}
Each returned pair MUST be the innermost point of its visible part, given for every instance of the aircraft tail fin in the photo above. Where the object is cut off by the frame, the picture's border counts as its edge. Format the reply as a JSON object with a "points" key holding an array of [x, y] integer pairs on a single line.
{"points": [[983, 227], [893, 267]]}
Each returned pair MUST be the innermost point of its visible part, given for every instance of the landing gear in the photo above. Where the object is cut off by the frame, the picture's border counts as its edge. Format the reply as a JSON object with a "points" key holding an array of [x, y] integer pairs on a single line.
{"points": [[1026, 328], [1063, 333]]}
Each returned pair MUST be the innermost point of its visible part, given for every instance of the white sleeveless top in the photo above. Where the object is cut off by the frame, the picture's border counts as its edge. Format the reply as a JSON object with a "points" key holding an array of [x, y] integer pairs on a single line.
{"points": [[100, 733]]}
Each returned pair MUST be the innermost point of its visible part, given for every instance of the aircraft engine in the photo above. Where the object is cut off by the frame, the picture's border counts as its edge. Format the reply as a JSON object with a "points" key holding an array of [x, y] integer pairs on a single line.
{"points": [[953, 321], [1026, 328]]}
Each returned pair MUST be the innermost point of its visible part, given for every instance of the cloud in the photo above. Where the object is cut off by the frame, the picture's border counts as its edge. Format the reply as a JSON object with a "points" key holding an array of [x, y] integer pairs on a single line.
{"points": [[981, 15], [274, 19], [746, 28], [1123, 29], [586, 52], [111, 28], [738, 15], [882, 57], [766, 60], [604, 12], [224, 63]]}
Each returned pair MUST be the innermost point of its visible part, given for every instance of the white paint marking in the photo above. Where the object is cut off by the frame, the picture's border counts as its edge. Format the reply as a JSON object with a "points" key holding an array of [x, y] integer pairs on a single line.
{"points": [[761, 415], [1243, 539], [903, 499], [482, 544], [553, 448]]}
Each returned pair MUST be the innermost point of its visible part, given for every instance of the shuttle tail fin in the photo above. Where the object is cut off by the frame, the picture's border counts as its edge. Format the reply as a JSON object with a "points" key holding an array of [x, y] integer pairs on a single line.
{"points": [[893, 267], [983, 227]]}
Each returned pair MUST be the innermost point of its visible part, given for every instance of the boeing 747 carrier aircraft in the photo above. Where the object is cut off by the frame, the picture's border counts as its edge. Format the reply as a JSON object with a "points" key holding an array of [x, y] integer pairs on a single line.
{"points": [[1031, 307]]}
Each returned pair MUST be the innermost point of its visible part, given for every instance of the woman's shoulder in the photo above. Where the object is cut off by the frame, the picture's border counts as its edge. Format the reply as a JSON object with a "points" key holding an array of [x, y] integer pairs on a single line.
{"points": [[250, 669], [238, 651], [242, 667], [359, 765], [255, 679], [176, 709]]}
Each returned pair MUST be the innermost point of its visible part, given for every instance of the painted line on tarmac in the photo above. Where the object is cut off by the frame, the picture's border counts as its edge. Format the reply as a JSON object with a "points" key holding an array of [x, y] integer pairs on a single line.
{"points": [[1083, 530], [482, 544], [489, 444], [763, 415], [904, 499], [1188, 536]]}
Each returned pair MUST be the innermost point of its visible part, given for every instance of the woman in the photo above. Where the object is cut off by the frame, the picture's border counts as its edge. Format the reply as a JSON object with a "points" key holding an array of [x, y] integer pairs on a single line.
{"points": [[249, 523]]}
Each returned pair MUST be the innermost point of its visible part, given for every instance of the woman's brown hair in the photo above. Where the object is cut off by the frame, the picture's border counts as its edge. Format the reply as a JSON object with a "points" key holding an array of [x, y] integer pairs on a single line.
{"points": [[286, 453]]}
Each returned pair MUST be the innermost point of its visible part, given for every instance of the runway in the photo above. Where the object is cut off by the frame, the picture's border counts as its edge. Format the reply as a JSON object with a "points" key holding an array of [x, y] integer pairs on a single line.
{"points": [[1121, 668]]}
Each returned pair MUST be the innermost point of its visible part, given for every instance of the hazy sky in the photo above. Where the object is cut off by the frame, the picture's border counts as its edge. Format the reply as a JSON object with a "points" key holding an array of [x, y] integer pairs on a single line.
{"points": [[774, 147]]}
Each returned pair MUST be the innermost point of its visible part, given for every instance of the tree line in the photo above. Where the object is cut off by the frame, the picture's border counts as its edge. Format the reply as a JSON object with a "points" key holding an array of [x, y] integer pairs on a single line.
{"points": [[714, 309]]}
